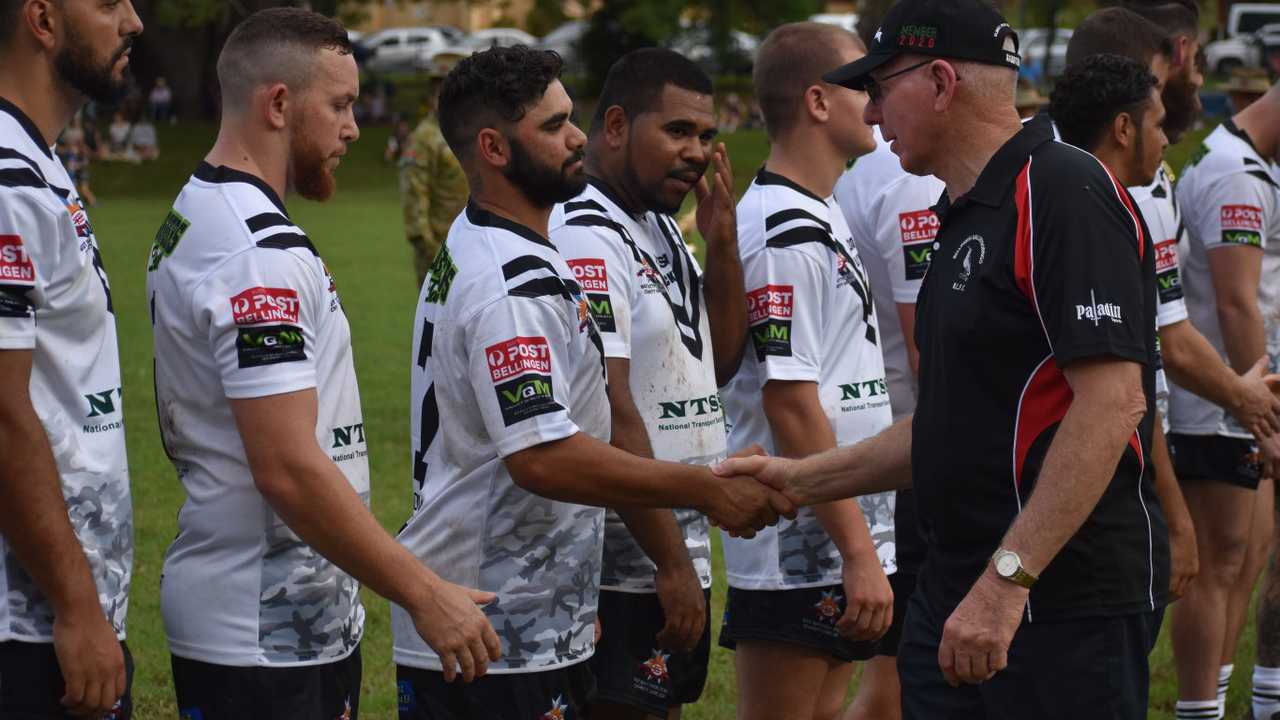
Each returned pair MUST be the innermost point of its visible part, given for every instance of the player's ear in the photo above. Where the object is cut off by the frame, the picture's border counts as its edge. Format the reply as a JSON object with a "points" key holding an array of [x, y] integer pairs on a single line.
{"points": [[41, 18], [1123, 129], [816, 103], [277, 102], [616, 126], [492, 148]]}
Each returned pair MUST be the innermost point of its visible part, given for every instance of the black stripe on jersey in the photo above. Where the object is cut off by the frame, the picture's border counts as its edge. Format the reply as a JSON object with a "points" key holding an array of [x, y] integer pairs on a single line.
{"points": [[265, 220], [859, 282], [32, 131], [424, 346], [285, 241], [21, 177], [526, 263], [785, 216], [542, 287], [578, 205], [11, 154], [477, 215], [764, 177], [223, 174], [802, 235], [1262, 175]]}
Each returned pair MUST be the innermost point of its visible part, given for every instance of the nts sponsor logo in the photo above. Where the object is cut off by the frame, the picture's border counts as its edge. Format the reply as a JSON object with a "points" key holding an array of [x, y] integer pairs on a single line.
{"points": [[1096, 311], [265, 305], [770, 301], [591, 274], [656, 667], [1166, 255], [918, 226], [517, 356], [1241, 217], [15, 263]]}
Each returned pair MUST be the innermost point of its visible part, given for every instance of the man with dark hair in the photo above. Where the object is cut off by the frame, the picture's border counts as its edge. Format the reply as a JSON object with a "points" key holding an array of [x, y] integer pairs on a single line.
{"points": [[1117, 30], [1040, 254], [1180, 21], [508, 489], [66, 520], [811, 595], [260, 409], [671, 334]]}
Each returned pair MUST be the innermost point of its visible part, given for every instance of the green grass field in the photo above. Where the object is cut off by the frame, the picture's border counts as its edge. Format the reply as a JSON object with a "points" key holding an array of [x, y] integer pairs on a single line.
{"points": [[361, 236]]}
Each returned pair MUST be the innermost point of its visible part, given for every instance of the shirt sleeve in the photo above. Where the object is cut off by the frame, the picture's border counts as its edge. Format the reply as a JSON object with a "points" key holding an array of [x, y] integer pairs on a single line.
{"points": [[607, 273], [29, 242], [520, 369], [906, 229], [1170, 305], [1234, 212], [261, 310], [1084, 241], [785, 313]]}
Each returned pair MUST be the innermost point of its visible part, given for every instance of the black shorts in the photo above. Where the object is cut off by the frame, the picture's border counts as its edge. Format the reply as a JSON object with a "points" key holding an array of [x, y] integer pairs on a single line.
{"points": [[222, 692], [631, 670], [1092, 668], [1212, 457], [904, 586], [562, 693], [31, 683], [806, 617]]}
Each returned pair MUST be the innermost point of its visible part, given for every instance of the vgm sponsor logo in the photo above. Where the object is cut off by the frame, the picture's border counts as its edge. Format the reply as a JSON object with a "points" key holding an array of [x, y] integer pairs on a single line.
{"points": [[517, 356], [770, 301], [591, 274], [270, 344], [15, 263], [265, 305], [1241, 217]]}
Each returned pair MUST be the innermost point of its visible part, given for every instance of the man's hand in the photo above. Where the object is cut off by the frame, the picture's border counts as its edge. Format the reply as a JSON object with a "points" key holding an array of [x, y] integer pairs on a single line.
{"points": [[742, 506], [976, 638], [1184, 557], [91, 661], [717, 212], [683, 605], [775, 472], [449, 619], [1256, 407], [1269, 455], [869, 611]]}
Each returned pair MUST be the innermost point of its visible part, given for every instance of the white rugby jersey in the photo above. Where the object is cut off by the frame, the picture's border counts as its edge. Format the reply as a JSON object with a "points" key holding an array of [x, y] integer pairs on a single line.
{"points": [[645, 293], [1230, 196], [888, 210], [811, 318], [505, 357], [56, 302], [243, 307]]}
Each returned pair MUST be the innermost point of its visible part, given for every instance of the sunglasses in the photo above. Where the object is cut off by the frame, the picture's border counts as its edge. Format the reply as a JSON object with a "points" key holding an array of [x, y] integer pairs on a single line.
{"points": [[875, 87]]}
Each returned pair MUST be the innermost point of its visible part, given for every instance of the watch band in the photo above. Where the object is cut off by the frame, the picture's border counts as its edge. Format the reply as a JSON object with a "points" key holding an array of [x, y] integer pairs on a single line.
{"points": [[1019, 576]]}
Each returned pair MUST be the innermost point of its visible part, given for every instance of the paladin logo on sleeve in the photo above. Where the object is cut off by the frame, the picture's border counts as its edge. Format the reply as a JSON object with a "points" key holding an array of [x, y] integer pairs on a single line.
{"points": [[15, 263], [1242, 225], [265, 305], [520, 369], [1096, 312], [769, 312]]}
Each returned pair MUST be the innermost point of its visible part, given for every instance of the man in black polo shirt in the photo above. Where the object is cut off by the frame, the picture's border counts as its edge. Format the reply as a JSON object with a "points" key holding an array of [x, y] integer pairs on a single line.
{"points": [[1029, 447]]}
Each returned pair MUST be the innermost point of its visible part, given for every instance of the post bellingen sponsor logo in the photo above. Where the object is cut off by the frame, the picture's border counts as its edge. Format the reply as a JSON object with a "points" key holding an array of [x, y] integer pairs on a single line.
{"points": [[1096, 312], [15, 263], [919, 229], [769, 312], [520, 369], [593, 278]]}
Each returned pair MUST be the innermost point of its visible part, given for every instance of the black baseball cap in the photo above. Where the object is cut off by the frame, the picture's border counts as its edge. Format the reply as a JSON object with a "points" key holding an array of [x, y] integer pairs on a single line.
{"points": [[957, 29]]}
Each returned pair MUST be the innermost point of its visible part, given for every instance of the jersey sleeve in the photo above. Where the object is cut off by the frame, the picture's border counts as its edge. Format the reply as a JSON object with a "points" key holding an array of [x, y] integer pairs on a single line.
{"points": [[260, 310], [1234, 212], [519, 370], [1079, 258], [29, 242], [785, 314], [906, 229], [607, 274]]}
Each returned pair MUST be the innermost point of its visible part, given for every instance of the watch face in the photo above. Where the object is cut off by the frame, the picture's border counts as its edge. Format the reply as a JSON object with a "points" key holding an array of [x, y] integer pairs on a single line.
{"points": [[1007, 564]]}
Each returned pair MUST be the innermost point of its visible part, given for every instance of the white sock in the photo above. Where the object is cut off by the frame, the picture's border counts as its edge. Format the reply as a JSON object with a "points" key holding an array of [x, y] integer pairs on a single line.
{"points": [[1196, 710], [1266, 693], [1224, 681]]}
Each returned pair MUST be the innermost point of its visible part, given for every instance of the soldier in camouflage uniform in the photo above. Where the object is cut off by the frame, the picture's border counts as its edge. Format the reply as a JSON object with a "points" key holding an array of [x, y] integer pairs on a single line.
{"points": [[433, 189]]}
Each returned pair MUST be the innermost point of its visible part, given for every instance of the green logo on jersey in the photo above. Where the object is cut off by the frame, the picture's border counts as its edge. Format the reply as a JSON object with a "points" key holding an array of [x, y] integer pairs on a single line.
{"points": [[1196, 157], [441, 276], [699, 406], [342, 436], [103, 403], [167, 238], [865, 389], [1242, 237]]}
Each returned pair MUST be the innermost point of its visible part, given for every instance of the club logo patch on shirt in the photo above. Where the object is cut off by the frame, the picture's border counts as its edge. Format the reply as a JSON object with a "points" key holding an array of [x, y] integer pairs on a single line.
{"points": [[593, 277], [1242, 225], [769, 311], [919, 229], [520, 369], [265, 305], [1168, 280], [15, 263], [80, 219]]}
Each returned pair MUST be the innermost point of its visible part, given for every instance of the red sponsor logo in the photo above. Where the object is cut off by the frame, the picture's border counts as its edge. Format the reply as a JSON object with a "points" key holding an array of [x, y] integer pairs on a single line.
{"points": [[918, 226], [517, 356], [591, 275], [1166, 255], [770, 301], [263, 305], [1242, 217], [80, 219], [15, 263]]}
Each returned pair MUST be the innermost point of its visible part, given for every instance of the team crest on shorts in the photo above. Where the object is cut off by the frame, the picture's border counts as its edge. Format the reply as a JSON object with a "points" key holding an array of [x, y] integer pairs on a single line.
{"points": [[558, 711], [828, 606], [655, 668]]}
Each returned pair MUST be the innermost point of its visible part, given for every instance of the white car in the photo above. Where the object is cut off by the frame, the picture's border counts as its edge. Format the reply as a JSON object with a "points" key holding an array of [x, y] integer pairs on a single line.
{"points": [[848, 21], [1223, 56], [396, 49], [498, 37], [1031, 45], [564, 40]]}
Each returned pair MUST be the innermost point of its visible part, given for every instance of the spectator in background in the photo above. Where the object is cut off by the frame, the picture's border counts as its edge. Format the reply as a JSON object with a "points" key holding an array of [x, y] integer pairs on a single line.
{"points": [[396, 142], [117, 137], [143, 142], [1028, 100], [1245, 86], [160, 102], [75, 155]]}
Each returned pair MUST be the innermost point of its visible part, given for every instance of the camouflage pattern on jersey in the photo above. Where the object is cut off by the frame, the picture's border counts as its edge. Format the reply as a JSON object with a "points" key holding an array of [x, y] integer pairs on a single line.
{"points": [[806, 553], [878, 509], [101, 515], [433, 190], [309, 609], [543, 558]]}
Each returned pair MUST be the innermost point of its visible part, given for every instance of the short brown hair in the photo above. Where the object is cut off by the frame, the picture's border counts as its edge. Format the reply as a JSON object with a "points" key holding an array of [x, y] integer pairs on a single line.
{"points": [[276, 45], [1117, 31], [792, 59]]}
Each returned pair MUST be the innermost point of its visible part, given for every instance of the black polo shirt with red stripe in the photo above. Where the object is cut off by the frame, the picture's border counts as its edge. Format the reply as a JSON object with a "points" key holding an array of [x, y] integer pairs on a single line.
{"points": [[1044, 262]]}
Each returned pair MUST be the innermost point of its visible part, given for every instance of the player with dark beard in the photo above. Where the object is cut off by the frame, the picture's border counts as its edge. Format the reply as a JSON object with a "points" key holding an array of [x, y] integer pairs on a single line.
{"points": [[64, 571], [1181, 93]]}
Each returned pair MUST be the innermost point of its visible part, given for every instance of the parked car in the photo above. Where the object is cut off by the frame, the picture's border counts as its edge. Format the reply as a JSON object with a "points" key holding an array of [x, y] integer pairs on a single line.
{"points": [[1249, 18], [498, 37], [564, 40], [396, 49], [694, 43], [1031, 45], [848, 21], [1223, 56]]}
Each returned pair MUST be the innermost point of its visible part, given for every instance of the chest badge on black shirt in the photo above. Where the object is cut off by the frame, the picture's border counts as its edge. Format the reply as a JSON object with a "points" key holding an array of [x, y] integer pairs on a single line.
{"points": [[971, 254]]}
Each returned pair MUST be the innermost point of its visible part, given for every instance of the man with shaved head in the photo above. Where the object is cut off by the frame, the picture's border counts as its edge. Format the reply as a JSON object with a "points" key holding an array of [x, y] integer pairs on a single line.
{"points": [[260, 411]]}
